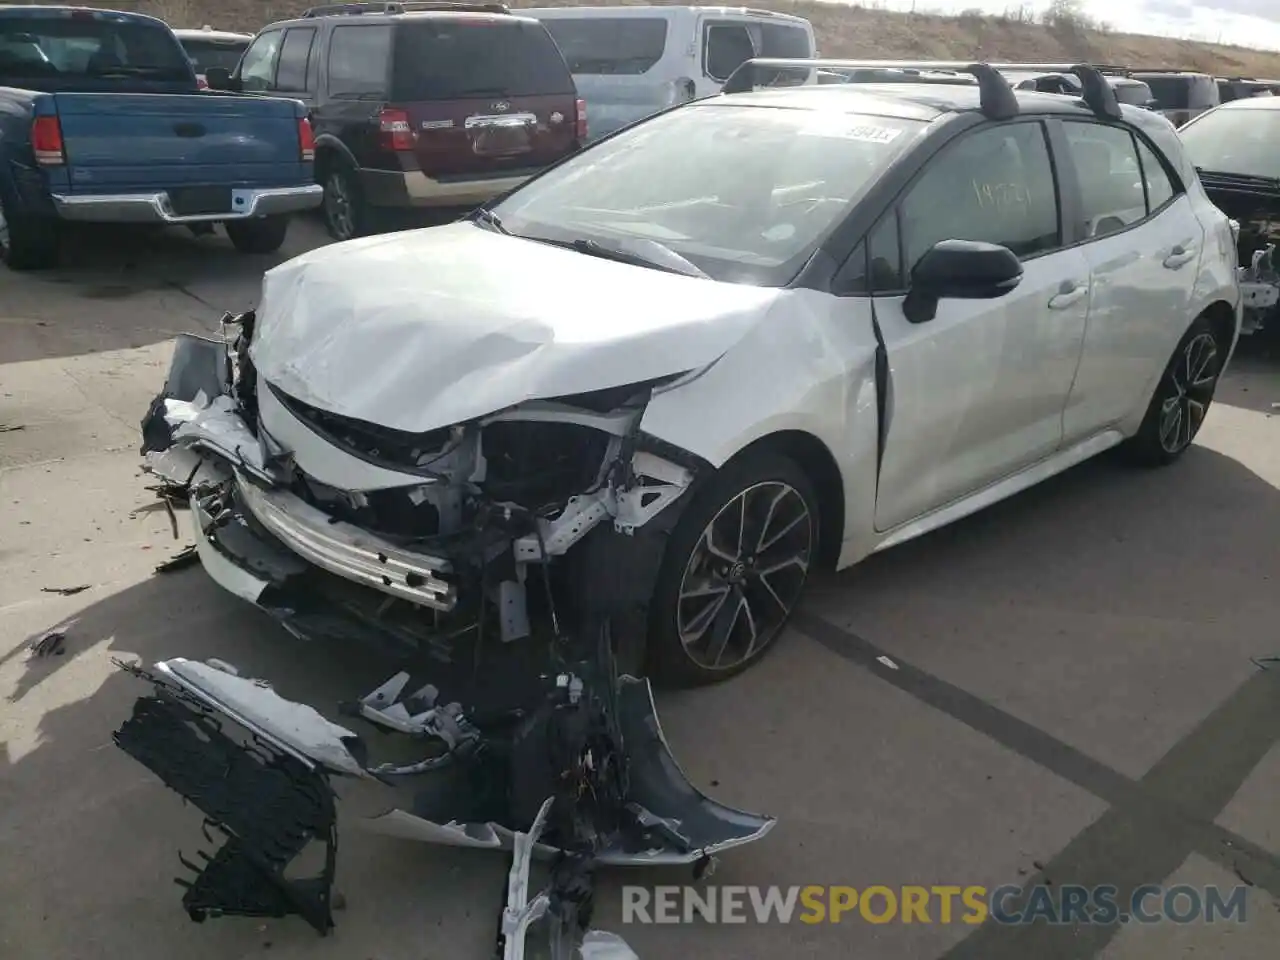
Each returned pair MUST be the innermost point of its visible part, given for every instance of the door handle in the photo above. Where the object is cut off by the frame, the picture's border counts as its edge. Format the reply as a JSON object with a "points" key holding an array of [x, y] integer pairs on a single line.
{"points": [[1179, 256], [1069, 293]]}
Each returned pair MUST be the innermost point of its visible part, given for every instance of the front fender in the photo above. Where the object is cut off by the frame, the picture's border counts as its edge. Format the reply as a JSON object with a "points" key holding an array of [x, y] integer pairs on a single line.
{"points": [[808, 366]]}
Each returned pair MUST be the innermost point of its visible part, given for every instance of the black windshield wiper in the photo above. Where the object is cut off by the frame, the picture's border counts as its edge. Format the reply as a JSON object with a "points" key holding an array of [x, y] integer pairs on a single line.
{"points": [[487, 218], [658, 257]]}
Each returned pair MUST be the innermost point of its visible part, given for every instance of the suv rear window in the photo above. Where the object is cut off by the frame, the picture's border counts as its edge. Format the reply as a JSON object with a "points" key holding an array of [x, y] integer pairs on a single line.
{"points": [[609, 45], [1181, 93], [442, 59], [215, 53]]}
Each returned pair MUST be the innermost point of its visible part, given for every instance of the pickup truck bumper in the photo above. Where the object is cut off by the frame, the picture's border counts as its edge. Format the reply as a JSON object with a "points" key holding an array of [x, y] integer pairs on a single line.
{"points": [[157, 207]]}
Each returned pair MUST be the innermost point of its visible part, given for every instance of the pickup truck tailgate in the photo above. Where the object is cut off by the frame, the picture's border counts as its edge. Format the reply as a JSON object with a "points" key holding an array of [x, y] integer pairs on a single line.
{"points": [[176, 140]]}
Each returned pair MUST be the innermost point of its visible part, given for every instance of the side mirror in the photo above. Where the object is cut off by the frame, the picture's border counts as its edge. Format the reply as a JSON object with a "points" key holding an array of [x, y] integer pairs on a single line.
{"points": [[219, 78], [960, 269]]}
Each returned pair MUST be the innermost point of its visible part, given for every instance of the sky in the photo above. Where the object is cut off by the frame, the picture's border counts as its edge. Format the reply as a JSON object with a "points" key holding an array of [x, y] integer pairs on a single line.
{"points": [[1247, 23]]}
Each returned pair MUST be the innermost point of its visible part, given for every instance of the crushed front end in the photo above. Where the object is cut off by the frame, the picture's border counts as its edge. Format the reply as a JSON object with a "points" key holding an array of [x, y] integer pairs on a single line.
{"points": [[506, 563], [1253, 204]]}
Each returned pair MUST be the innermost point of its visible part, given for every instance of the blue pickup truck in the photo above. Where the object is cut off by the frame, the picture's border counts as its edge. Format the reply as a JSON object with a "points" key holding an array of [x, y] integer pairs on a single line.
{"points": [[101, 120]]}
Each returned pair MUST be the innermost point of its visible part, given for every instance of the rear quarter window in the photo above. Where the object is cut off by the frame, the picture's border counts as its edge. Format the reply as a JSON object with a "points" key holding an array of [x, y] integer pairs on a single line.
{"points": [[626, 46], [453, 60]]}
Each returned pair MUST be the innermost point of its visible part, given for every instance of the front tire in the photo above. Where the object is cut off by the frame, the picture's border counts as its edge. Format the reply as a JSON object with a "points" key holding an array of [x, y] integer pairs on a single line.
{"points": [[264, 235], [733, 571], [1181, 399]]}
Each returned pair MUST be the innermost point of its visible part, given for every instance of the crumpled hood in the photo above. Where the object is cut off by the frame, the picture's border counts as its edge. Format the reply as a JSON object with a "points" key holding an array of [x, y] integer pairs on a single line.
{"points": [[433, 327]]}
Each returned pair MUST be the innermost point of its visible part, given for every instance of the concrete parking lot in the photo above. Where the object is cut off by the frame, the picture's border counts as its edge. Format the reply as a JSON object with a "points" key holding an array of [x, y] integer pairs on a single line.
{"points": [[1057, 690]]}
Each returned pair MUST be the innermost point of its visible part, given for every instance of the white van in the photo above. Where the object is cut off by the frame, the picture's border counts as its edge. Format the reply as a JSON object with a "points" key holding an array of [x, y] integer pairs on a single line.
{"points": [[630, 62]]}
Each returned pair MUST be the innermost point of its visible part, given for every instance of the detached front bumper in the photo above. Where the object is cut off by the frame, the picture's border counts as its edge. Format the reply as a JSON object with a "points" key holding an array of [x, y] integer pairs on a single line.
{"points": [[158, 207]]}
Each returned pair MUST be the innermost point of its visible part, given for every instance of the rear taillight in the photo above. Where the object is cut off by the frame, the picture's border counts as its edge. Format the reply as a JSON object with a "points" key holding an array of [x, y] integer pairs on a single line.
{"points": [[394, 130], [46, 142], [306, 140], [202, 83], [582, 120]]}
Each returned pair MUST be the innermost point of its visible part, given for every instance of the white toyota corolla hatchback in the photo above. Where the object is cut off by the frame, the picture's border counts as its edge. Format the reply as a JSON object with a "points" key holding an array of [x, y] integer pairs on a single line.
{"points": [[666, 379]]}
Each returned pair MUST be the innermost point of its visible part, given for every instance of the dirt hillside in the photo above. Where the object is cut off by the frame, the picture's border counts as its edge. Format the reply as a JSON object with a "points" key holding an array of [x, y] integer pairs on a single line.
{"points": [[857, 31]]}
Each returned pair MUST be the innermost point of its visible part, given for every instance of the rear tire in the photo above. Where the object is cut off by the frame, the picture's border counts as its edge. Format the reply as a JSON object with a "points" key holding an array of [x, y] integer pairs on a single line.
{"points": [[263, 235], [1181, 399], [27, 243], [346, 215], [733, 570]]}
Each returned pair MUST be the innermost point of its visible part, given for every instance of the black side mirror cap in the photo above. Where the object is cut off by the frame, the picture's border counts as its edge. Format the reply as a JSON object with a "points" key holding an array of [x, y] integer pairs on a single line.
{"points": [[960, 269], [219, 78]]}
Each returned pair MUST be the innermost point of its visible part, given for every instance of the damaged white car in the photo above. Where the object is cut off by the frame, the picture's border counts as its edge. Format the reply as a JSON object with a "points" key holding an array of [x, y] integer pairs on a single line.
{"points": [[607, 427]]}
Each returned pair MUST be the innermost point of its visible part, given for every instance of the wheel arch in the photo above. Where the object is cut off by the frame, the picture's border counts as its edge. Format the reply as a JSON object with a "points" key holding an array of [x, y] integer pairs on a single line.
{"points": [[815, 458], [330, 150], [1222, 321]]}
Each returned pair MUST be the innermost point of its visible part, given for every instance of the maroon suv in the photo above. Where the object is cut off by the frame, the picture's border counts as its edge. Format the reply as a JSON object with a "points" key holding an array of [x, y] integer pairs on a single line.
{"points": [[418, 105]]}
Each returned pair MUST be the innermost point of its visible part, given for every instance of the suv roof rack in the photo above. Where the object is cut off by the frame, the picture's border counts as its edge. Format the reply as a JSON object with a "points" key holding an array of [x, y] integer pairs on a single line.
{"points": [[995, 94], [1106, 69], [412, 6]]}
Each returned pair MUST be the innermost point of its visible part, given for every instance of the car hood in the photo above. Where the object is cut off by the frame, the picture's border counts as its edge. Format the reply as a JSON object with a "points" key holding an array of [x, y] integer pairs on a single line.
{"points": [[428, 328]]}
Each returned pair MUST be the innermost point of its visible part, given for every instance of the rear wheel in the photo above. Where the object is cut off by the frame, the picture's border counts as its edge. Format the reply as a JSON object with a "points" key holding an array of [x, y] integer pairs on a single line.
{"points": [[1181, 399], [346, 215], [733, 571], [263, 235], [27, 243]]}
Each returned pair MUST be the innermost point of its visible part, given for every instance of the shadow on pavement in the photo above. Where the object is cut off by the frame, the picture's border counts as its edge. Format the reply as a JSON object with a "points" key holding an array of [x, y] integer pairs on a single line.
{"points": [[1253, 379], [82, 823], [119, 288]]}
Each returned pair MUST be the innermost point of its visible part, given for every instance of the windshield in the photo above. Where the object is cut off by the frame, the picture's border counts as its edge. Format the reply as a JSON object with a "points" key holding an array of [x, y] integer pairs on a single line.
{"points": [[744, 193], [95, 46], [454, 59], [215, 53], [609, 45], [1240, 140]]}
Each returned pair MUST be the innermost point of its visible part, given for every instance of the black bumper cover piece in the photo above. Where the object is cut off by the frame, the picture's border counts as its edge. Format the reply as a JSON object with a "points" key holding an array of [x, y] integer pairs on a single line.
{"points": [[268, 805]]}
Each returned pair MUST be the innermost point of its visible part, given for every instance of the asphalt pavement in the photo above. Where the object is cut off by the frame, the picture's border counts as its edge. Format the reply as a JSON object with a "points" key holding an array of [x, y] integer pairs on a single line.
{"points": [[1059, 690]]}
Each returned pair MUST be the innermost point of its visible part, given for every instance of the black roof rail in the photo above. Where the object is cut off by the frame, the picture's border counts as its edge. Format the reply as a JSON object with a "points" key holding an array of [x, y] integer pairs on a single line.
{"points": [[1107, 69], [996, 95], [409, 6]]}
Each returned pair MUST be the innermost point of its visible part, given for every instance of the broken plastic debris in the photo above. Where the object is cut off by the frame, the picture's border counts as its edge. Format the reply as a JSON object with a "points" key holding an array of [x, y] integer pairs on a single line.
{"points": [[187, 557], [50, 644], [66, 591], [882, 659]]}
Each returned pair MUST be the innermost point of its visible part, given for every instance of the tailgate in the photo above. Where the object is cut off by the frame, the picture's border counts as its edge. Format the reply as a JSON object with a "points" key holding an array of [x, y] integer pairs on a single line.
{"points": [[491, 136], [141, 141]]}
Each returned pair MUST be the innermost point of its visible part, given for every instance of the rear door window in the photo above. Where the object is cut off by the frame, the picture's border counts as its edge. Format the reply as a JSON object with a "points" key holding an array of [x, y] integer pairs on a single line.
{"points": [[295, 52], [258, 68], [1160, 186], [626, 46], [455, 60], [785, 41], [1172, 93], [726, 46], [1111, 189], [358, 62]]}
